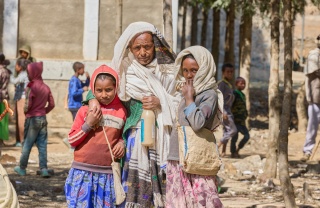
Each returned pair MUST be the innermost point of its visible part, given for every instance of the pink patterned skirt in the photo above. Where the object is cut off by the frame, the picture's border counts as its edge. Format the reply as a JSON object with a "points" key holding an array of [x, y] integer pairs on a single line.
{"points": [[189, 190]]}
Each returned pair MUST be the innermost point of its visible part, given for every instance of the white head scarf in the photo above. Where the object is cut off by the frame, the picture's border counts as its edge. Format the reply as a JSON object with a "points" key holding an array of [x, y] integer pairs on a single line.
{"points": [[204, 78]]}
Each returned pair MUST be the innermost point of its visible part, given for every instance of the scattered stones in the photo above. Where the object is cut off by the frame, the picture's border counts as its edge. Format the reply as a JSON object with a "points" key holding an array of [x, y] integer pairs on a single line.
{"points": [[61, 198], [7, 159], [32, 193]]}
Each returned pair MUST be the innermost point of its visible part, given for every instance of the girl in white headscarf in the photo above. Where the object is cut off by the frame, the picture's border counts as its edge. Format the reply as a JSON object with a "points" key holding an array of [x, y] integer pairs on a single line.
{"points": [[200, 107]]}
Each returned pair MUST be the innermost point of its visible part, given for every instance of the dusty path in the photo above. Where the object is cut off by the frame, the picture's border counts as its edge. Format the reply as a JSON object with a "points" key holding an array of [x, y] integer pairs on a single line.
{"points": [[34, 191]]}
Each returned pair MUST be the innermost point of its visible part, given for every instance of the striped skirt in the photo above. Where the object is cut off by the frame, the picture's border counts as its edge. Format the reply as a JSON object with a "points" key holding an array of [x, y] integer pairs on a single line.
{"points": [[189, 190], [87, 189]]}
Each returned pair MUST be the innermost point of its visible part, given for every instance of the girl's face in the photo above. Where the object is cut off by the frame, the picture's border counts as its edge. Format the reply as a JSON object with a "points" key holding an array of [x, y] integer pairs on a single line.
{"points": [[18, 68], [104, 91], [189, 68]]}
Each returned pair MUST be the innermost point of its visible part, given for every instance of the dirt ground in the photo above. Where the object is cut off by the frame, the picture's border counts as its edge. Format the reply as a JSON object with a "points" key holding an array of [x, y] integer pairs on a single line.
{"points": [[239, 190]]}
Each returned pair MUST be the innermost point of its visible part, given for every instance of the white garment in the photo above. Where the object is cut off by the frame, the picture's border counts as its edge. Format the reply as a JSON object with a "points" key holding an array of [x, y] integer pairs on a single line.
{"points": [[137, 81], [313, 61], [204, 78]]}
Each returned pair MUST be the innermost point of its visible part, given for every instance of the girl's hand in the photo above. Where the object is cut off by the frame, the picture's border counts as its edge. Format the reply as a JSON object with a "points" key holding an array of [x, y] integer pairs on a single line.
{"points": [[225, 117], [188, 92], [150, 102], [94, 116], [118, 150]]}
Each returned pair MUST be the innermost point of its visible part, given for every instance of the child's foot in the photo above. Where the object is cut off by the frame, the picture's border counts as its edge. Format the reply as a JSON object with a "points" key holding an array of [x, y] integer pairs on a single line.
{"points": [[223, 154], [18, 144], [20, 171], [44, 173], [235, 155]]}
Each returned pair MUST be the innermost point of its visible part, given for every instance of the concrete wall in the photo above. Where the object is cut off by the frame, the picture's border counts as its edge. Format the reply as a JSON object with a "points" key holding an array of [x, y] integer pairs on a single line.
{"points": [[53, 29], [107, 30], [1, 23]]}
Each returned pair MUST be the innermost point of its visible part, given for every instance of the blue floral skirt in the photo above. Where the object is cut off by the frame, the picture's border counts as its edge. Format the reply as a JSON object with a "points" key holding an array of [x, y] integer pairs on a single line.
{"points": [[88, 189]]}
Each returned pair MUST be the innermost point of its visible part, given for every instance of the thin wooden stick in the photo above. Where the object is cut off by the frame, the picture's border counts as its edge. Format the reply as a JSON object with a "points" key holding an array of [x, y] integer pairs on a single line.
{"points": [[6, 110]]}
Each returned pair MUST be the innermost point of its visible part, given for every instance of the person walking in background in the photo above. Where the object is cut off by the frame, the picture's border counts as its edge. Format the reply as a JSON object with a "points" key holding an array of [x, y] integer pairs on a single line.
{"points": [[76, 88], [312, 83], [25, 52], [240, 115], [201, 109], [4, 94], [20, 82], [229, 128], [90, 182], [39, 102]]}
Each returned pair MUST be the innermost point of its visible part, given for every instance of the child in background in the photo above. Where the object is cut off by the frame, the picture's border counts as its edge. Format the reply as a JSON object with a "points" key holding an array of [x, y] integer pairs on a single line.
{"points": [[229, 128], [90, 180], [39, 102], [240, 115], [4, 81], [20, 82], [76, 88], [25, 52]]}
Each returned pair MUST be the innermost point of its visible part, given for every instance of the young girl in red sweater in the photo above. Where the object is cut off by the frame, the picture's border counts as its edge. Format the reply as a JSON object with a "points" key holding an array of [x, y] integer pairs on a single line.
{"points": [[90, 181]]}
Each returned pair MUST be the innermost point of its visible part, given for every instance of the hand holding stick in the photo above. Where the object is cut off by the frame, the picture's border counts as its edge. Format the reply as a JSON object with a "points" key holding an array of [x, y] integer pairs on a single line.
{"points": [[6, 110]]}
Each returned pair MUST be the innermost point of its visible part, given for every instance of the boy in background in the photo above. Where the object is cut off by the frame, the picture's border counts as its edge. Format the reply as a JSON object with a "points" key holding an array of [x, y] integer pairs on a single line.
{"points": [[39, 102], [240, 115], [76, 88], [225, 86], [25, 52]]}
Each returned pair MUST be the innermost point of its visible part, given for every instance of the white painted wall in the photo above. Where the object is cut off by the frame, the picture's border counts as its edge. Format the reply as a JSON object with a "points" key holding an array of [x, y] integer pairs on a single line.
{"points": [[10, 28]]}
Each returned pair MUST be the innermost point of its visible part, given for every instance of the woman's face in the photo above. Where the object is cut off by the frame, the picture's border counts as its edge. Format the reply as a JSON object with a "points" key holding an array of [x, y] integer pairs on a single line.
{"points": [[189, 68], [142, 48]]}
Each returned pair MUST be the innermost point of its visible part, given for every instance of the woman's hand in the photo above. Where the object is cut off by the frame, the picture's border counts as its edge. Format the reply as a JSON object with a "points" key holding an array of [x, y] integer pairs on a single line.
{"points": [[94, 103], [118, 150], [94, 116], [188, 92], [150, 102]]}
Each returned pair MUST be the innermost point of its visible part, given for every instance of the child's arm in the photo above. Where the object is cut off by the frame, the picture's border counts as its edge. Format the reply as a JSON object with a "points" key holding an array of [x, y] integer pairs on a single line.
{"points": [[50, 103], [87, 82], [15, 80], [74, 88], [198, 116], [28, 101], [83, 124], [119, 149]]}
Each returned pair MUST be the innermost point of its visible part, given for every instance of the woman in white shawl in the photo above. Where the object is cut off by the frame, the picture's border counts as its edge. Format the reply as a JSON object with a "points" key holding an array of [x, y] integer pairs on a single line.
{"points": [[200, 107], [145, 64]]}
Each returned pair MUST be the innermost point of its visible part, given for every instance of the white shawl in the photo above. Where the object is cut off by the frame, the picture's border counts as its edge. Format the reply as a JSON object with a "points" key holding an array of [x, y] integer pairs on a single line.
{"points": [[137, 81], [204, 78]]}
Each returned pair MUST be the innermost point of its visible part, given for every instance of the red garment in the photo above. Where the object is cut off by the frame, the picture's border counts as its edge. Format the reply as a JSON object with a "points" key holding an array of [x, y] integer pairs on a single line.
{"points": [[91, 145], [38, 94]]}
